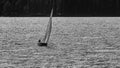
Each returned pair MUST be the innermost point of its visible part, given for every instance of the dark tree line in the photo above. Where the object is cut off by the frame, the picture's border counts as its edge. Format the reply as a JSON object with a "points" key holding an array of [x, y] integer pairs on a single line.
{"points": [[24, 7], [61, 7]]}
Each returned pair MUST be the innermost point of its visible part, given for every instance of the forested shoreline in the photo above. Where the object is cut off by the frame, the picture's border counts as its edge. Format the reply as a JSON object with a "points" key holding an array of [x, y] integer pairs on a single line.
{"points": [[61, 7]]}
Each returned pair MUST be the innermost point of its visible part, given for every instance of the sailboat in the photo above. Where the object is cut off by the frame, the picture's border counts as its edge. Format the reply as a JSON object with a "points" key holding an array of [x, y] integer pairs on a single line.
{"points": [[45, 40]]}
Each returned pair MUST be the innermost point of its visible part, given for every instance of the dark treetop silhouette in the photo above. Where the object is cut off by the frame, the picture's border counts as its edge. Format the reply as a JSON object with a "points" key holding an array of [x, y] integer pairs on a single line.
{"points": [[33, 8], [44, 41]]}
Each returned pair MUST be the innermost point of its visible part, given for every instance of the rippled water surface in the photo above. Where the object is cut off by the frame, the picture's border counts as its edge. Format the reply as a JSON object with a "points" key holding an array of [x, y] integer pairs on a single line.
{"points": [[75, 42]]}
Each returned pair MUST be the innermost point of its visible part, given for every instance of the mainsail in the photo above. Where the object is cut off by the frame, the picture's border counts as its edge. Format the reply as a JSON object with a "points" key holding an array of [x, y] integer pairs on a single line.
{"points": [[48, 30]]}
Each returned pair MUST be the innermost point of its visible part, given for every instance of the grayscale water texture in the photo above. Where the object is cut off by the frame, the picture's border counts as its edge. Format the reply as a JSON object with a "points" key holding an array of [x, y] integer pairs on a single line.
{"points": [[75, 42]]}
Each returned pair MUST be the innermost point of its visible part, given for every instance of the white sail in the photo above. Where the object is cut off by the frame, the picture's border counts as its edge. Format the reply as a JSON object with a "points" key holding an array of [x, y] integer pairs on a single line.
{"points": [[48, 30]]}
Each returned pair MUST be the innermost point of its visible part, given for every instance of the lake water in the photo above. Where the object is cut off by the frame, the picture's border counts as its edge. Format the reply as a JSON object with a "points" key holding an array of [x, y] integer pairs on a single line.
{"points": [[79, 42]]}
